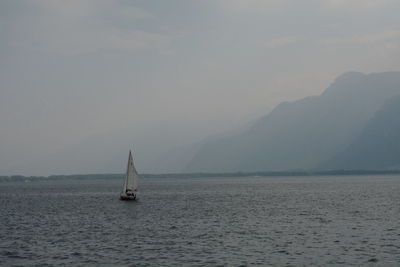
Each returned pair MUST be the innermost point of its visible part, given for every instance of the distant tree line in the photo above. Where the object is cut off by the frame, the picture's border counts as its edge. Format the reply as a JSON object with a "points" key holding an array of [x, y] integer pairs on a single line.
{"points": [[20, 178]]}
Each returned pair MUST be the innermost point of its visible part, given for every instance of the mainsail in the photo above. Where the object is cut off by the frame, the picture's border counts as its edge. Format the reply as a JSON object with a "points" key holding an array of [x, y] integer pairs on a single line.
{"points": [[132, 177]]}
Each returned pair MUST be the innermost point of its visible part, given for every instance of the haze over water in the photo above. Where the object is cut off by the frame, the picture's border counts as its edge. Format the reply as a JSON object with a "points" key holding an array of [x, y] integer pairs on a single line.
{"points": [[81, 77], [295, 221]]}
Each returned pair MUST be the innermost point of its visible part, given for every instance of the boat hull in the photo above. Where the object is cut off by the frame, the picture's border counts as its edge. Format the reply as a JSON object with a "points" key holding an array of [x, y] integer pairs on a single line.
{"points": [[127, 197]]}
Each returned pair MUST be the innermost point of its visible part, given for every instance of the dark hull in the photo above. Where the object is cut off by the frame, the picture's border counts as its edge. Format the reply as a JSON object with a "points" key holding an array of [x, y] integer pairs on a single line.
{"points": [[127, 197]]}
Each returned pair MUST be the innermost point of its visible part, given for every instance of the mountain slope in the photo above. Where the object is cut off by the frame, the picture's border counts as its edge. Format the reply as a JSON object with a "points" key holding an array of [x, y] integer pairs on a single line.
{"points": [[378, 146], [304, 133]]}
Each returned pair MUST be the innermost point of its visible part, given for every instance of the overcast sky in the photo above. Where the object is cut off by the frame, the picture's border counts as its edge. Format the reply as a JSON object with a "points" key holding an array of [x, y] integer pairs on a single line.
{"points": [[78, 69]]}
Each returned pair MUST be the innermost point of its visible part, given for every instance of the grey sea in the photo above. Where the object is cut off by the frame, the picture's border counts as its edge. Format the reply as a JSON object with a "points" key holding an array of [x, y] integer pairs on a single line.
{"points": [[265, 221]]}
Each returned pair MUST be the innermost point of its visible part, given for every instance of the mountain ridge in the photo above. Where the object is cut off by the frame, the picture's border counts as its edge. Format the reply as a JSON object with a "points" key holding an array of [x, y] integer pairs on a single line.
{"points": [[303, 133], [378, 145]]}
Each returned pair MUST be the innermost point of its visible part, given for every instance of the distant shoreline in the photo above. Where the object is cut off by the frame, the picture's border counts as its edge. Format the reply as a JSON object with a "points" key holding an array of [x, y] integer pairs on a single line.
{"points": [[20, 178]]}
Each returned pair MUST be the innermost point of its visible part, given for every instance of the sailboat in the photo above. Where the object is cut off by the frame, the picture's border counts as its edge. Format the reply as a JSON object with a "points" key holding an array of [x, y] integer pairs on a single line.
{"points": [[129, 190]]}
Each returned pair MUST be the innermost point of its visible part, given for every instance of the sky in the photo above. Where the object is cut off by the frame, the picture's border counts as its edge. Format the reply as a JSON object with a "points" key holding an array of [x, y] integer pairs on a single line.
{"points": [[169, 73]]}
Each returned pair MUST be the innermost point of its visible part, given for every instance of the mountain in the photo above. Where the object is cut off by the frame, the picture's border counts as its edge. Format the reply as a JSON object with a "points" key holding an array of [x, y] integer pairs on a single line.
{"points": [[378, 145], [305, 133]]}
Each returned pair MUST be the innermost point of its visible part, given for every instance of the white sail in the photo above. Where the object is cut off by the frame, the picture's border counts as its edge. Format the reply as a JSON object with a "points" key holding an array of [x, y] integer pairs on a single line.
{"points": [[132, 177]]}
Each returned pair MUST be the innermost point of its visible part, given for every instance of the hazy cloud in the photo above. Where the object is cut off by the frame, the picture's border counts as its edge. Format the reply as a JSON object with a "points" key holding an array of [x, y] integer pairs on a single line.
{"points": [[87, 26], [283, 41], [254, 5], [99, 9], [356, 5], [386, 36]]}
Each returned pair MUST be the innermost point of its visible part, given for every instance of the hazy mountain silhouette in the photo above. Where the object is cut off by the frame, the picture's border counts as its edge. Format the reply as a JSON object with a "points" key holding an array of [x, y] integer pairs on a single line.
{"points": [[304, 133], [378, 145], [339, 129]]}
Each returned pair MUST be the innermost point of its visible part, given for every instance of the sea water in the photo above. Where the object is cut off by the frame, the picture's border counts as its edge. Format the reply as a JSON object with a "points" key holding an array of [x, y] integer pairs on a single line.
{"points": [[278, 221]]}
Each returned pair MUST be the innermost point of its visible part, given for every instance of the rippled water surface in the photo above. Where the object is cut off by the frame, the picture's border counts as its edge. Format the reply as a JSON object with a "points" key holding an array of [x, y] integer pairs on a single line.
{"points": [[296, 221]]}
